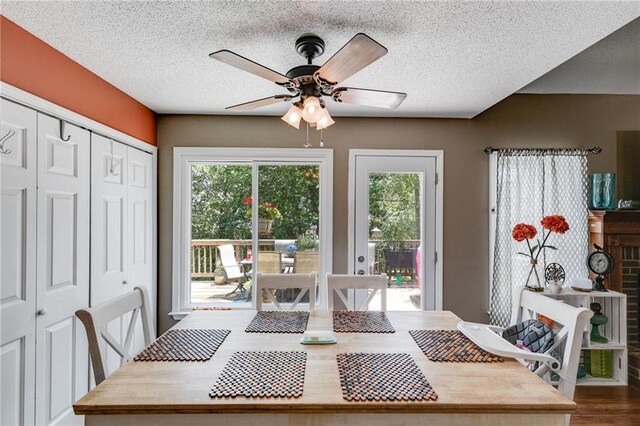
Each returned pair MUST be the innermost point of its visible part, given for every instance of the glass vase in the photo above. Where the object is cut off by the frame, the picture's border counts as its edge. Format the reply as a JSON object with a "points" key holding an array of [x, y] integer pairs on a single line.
{"points": [[533, 279], [597, 201], [609, 191]]}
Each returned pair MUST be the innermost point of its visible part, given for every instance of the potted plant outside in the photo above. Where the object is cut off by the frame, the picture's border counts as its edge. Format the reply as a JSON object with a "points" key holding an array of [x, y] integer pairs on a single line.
{"points": [[267, 214]]}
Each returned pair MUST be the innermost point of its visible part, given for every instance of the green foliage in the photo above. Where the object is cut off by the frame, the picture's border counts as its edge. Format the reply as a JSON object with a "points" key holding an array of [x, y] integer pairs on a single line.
{"points": [[394, 206], [219, 193], [308, 240]]}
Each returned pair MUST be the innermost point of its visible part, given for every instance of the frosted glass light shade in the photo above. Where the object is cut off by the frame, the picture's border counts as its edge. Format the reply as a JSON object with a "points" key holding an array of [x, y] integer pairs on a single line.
{"points": [[325, 121], [311, 110], [293, 116]]}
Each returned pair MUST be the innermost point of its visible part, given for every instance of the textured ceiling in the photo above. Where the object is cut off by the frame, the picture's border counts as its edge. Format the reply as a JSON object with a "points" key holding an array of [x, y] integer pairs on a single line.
{"points": [[611, 66], [453, 59]]}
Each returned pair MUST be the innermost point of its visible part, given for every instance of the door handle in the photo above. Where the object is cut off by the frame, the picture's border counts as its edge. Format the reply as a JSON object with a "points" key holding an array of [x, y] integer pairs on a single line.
{"points": [[41, 312], [125, 282], [360, 272]]}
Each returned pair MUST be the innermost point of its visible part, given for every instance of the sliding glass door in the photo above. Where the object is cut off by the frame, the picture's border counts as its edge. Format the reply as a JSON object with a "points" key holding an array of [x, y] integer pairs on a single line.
{"points": [[253, 215]]}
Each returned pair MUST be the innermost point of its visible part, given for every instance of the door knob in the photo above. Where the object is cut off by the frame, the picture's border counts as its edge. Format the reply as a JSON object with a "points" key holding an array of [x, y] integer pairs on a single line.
{"points": [[360, 272], [124, 282], [42, 312]]}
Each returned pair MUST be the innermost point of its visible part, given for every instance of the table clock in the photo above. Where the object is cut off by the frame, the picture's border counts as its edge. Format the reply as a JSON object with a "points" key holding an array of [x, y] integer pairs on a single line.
{"points": [[600, 263]]}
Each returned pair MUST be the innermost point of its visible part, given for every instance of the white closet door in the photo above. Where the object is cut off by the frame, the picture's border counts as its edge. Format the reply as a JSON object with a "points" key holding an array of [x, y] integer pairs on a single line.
{"points": [[62, 271], [18, 171], [139, 238], [109, 231]]}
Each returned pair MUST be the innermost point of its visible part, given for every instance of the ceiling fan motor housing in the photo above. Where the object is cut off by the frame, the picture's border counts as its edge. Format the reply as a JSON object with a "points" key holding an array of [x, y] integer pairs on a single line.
{"points": [[309, 46]]}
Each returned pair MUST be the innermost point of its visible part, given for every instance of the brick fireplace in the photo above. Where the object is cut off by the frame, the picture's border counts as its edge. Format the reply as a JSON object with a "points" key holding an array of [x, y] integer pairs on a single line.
{"points": [[631, 287]]}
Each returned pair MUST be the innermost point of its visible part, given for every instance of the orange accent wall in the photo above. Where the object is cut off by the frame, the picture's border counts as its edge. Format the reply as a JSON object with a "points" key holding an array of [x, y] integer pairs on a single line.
{"points": [[35, 67]]}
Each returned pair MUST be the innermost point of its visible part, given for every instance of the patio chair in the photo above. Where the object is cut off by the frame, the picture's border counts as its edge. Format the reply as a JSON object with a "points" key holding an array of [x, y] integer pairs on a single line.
{"points": [[231, 267], [305, 262], [96, 319], [339, 282], [270, 262], [267, 283]]}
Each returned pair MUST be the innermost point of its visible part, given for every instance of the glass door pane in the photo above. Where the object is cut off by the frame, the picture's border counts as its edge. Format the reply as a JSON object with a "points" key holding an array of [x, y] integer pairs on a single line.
{"points": [[394, 241], [220, 234], [288, 225]]}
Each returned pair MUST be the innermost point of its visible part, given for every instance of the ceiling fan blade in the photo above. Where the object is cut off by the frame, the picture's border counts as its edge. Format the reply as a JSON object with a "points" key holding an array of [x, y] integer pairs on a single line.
{"points": [[358, 53], [376, 98], [240, 62], [247, 106]]}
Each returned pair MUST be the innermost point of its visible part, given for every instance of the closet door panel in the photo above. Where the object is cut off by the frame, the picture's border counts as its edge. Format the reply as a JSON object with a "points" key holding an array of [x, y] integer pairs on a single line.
{"points": [[109, 232], [140, 232], [108, 219], [62, 363], [18, 172]]}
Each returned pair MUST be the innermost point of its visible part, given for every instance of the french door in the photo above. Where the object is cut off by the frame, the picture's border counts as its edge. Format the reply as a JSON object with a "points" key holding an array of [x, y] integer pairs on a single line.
{"points": [[395, 217]]}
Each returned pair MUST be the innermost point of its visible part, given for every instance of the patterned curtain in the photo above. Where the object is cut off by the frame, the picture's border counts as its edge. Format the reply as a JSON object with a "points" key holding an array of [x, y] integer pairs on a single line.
{"points": [[532, 184]]}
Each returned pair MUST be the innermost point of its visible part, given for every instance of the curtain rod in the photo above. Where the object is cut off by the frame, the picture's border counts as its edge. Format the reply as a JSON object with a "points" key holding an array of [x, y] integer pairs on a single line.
{"points": [[595, 150]]}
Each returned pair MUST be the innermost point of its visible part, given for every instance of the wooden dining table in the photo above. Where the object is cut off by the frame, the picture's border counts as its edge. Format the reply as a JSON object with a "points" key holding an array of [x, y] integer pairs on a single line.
{"points": [[177, 393]]}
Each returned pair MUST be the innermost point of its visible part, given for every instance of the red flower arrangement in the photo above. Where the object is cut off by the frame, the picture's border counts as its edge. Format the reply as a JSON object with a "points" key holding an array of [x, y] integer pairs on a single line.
{"points": [[525, 232], [265, 210]]}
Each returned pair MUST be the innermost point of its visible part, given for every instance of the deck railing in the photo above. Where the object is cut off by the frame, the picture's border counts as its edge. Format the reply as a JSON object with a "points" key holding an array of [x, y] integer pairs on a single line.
{"points": [[204, 253]]}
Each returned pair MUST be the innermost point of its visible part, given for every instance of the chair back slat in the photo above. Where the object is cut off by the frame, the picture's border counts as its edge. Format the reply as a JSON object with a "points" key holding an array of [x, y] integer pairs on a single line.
{"points": [[96, 319], [338, 282], [269, 282]]}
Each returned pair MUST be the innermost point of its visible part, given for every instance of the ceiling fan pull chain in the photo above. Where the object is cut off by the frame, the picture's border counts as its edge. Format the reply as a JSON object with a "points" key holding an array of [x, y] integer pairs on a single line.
{"points": [[321, 138], [307, 145]]}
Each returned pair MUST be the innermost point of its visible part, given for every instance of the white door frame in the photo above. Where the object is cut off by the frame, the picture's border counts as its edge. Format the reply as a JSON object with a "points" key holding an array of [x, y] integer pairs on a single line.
{"points": [[439, 156]]}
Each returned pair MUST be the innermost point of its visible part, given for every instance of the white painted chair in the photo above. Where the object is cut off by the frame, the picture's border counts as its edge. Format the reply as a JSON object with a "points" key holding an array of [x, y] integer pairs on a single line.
{"points": [[567, 340], [95, 322], [270, 282], [338, 282]]}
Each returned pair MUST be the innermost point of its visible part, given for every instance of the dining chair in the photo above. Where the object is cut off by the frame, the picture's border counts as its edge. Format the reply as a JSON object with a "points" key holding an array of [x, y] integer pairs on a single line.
{"points": [[338, 282], [268, 283], [96, 319]]}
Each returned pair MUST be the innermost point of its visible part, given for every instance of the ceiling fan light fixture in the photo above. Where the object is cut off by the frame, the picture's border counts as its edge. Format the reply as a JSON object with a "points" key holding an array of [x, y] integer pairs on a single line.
{"points": [[326, 120], [311, 110], [293, 116]]}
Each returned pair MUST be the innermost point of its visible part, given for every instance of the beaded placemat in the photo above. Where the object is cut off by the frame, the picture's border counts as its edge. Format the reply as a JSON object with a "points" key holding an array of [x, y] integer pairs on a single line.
{"points": [[382, 377], [270, 374], [361, 322], [184, 345], [278, 322], [451, 346]]}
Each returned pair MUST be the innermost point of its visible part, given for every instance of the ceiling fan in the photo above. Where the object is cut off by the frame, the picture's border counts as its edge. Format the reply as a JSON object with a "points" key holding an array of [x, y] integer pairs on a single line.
{"points": [[309, 83]]}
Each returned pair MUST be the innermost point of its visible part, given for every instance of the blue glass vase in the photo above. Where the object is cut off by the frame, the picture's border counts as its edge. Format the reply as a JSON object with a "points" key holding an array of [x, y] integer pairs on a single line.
{"points": [[609, 191], [597, 201]]}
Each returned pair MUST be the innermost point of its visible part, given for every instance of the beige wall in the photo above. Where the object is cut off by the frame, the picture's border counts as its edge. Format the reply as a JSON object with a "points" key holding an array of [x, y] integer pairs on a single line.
{"points": [[518, 121]]}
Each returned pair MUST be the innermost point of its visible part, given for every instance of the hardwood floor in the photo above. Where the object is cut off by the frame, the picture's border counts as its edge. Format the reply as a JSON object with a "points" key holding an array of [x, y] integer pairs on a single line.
{"points": [[600, 405]]}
